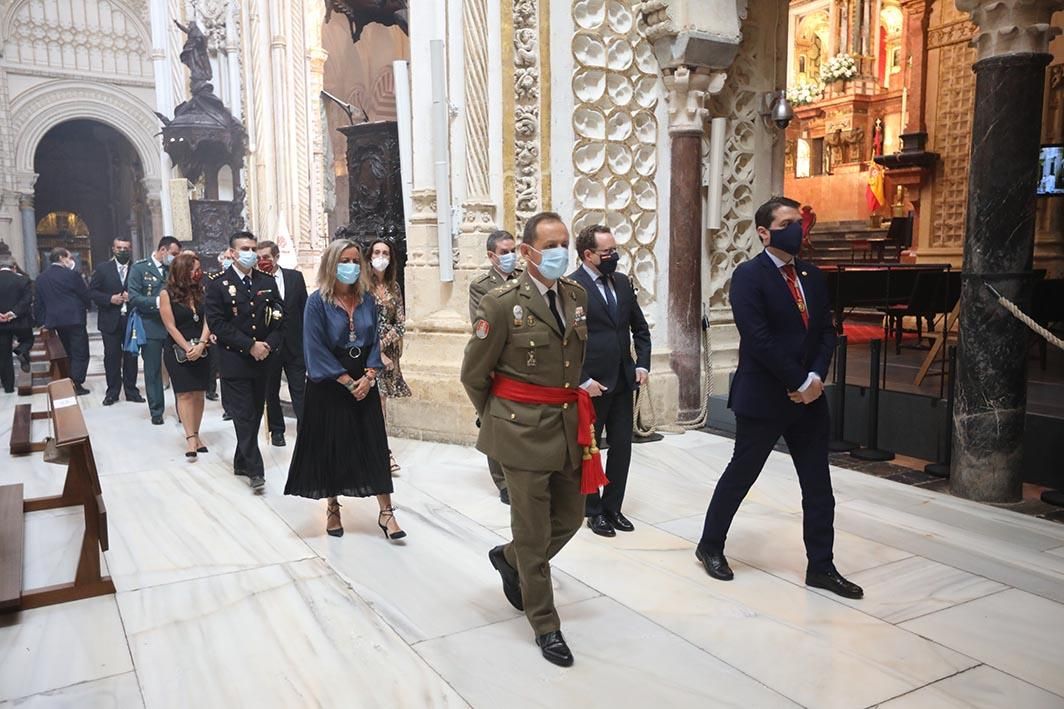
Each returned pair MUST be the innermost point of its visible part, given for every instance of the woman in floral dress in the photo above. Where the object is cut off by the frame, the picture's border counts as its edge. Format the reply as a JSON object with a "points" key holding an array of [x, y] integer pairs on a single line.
{"points": [[392, 315]]}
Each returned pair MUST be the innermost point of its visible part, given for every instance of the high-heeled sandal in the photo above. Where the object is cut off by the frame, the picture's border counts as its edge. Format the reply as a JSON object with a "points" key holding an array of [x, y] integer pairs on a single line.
{"points": [[382, 522], [201, 449], [393, 465], [191, 455], [333, 510]]}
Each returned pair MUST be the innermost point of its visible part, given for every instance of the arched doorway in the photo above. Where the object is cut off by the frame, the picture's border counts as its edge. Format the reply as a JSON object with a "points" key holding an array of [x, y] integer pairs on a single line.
{"points": [[88, 174]]}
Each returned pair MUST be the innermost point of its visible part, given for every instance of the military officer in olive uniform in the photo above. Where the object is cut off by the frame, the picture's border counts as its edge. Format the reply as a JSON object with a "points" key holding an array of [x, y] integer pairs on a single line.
{"points": [[147, 278], [246, 314], [502, 253], [528, 349]]}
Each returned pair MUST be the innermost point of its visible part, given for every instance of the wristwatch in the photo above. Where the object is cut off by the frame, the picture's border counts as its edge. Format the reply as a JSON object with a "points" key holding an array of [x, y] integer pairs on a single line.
{"points": [[350, 385]]}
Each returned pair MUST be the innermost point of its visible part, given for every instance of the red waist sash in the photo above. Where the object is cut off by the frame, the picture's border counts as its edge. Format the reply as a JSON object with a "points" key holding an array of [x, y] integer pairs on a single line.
{"points": [[592, 477]]}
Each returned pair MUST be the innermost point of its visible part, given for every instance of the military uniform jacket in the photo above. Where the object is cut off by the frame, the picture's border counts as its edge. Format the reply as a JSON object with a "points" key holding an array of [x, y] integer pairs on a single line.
{"points": [[516, 335], [144, 282], [238, 317], [484, 284]]}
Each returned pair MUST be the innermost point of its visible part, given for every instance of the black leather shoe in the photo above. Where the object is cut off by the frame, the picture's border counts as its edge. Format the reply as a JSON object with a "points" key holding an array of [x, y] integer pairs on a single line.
{"points": [[619, 522], [109, 401], [226, 416], [277, 439], [135, 398], [80, 390], [715, 564], [257, 483], [601, 526], [504, 496], [832, 580], [511, 584], [24, 362], [554, 649], [212, 396], [157, 420]]}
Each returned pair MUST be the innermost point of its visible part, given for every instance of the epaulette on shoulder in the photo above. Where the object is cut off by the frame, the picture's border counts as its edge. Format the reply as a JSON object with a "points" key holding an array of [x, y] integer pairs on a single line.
{"points": [[569, 281], [216, 274], [505, 287], [482, 277], [143, 260]]}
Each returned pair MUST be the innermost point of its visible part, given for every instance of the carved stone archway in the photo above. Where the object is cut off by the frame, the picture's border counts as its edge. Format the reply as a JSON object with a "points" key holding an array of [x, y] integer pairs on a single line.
{"points": [[43, 107]]}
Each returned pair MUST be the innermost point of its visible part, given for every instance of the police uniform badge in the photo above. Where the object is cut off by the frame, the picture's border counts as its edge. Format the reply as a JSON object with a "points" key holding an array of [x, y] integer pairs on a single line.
{"points": [[232, 291], [482, 329]]}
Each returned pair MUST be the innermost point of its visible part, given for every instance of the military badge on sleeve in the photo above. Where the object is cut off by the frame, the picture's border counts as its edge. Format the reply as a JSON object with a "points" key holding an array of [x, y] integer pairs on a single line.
{"points": [[482, 329]]}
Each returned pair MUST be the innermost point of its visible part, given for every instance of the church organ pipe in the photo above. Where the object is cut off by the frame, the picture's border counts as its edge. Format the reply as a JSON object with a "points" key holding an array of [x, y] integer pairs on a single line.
{"points": [[441, 159]]}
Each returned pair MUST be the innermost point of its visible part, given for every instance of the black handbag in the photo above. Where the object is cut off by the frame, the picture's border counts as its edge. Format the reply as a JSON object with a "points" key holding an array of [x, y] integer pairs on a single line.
{"points": [[353, 360], [180, 355]]}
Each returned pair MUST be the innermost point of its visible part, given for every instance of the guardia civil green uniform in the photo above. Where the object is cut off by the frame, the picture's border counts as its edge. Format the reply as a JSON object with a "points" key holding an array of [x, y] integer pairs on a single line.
{"points": [[515, 335], [145, 281], [478, 288]]}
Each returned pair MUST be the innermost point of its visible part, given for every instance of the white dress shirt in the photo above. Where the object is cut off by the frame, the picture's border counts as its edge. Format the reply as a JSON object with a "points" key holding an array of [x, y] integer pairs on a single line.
{"points": [[278, 276], [780, 264], [158, 265]]}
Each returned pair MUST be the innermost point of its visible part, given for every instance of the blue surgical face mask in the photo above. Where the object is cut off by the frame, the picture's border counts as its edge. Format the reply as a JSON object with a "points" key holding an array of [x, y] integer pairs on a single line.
{"points": [[226, 263], [507, 263], [247, 259], [788, 239], [553, 262], [168, 259], [347, 273]]}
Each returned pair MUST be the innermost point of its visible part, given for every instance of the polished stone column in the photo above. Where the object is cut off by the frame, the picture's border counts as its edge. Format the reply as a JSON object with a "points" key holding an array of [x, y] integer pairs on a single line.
{"points": [[991, 398], [687, 115], [29, 235]]}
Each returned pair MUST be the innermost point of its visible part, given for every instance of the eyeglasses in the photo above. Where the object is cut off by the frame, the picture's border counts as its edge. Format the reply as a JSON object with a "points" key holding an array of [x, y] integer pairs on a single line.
{"points": [[607, 252]]}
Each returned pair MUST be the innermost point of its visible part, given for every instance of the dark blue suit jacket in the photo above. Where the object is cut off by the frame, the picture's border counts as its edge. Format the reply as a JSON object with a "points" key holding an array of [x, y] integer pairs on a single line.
{"points": [[62, 298], [776, 351], [609, 339], [103, 284]]}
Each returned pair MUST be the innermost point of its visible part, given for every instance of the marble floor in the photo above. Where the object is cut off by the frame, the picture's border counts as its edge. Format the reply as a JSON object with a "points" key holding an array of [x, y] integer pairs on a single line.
{"points": [[230, 600]]}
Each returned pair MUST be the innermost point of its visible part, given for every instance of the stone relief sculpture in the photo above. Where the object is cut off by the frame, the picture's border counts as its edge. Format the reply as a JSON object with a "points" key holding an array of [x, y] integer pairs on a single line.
{"points": [[615, 91], [527, 175]]}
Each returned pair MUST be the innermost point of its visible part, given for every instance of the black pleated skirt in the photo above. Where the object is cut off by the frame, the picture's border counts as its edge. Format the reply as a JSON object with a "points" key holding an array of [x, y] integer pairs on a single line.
{"points": [[342, 445]]}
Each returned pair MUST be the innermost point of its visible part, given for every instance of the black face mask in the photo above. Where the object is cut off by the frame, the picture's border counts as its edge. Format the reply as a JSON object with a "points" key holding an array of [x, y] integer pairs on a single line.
{"points": [[608, 265], [122, 257], [788, 239]]}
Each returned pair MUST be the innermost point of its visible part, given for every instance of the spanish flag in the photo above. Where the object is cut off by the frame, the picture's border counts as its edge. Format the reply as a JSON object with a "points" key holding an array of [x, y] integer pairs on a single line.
{"points": [[874, 191]]}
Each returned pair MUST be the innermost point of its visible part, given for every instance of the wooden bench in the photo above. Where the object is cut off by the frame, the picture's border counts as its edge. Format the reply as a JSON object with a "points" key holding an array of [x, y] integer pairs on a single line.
{"points": [[81, 489], [54, 353], [51, 351]]}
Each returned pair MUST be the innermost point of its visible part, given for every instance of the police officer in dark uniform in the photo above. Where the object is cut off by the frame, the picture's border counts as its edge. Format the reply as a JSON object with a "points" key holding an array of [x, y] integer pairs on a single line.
{"points": [[246, 314]]}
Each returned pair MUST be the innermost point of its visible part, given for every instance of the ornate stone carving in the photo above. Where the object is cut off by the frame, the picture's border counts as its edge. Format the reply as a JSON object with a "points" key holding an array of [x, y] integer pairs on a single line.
{"points": [[376, 194], [480, 214], [212, 222], [91, 36], [528, 177], [952, 141], [736, 240], [655, 14], [615, 92], [1012, 26], [423, 204], [953, 33], [687, 92]]}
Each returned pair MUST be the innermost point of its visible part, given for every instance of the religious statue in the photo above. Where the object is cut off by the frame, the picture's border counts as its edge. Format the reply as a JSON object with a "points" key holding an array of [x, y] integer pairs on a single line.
{"points": [[877, 138], [194, 56], [364, 12], [854, 143], [833, 143]]}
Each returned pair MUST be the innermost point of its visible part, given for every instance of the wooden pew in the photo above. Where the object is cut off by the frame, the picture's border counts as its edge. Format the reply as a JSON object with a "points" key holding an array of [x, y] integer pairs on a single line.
{"points": [[12, 533], [54, 353], [81, 489]]}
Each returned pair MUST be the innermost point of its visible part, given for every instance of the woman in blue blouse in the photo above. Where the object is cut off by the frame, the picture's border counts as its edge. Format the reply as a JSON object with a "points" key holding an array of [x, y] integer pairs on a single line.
{"points": [[342, 447]]}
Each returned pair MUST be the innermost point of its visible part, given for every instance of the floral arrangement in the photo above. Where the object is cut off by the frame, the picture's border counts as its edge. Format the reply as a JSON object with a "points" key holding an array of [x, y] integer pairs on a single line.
{"points": [[839, 68], [805, 92]]}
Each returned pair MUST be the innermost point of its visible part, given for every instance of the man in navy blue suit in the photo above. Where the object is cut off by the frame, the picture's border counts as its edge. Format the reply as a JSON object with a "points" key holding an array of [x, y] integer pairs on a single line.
{"points": [[62, 299], [610, 375], [780, 304], [107, 288]]}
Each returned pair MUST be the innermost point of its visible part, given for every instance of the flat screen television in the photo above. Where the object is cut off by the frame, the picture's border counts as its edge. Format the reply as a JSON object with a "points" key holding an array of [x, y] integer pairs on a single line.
{"points": [[1051, 171]]}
